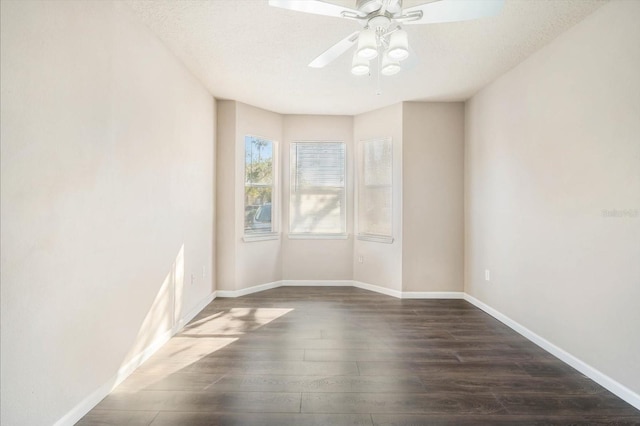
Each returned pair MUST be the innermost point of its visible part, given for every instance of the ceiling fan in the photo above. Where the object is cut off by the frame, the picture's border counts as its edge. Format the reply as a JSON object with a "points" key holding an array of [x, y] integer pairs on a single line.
{"points": [[382, 35]]}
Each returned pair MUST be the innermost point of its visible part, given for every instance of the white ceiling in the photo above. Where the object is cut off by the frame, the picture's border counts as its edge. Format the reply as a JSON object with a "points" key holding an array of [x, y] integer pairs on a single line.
{"points": [[248, 51]]}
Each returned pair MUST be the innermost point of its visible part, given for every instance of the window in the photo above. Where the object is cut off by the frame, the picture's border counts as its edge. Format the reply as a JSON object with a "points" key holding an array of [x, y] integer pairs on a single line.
{"points": [[258, 186], [317, 203], [375, 191]]}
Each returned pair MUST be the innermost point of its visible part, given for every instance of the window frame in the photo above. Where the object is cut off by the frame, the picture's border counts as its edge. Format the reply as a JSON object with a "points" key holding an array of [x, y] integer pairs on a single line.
{"points": [[293, 169], [360, 186], [274, 233]]}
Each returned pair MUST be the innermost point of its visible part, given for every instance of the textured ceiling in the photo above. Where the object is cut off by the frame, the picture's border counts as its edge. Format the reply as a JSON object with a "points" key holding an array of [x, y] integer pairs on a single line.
{"points": [[248, 51]]}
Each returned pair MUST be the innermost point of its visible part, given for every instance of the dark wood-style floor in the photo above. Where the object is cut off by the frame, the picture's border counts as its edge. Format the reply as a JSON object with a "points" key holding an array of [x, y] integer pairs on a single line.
{"points": [[345, 356]]}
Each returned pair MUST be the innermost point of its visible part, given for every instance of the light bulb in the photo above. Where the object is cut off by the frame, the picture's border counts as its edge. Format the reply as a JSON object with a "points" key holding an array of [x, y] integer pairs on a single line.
{"points": [[359, 66], [367, 45], [389, 66], [398, 46]]}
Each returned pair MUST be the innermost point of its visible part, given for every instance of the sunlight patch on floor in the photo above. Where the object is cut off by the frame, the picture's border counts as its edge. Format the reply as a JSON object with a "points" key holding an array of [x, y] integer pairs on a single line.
{"points": [[199, 340], [236, 321]]}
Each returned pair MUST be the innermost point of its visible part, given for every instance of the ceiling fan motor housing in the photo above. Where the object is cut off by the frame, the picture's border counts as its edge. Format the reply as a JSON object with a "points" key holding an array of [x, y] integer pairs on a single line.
{"points": [[370, 6], [379, 23]]}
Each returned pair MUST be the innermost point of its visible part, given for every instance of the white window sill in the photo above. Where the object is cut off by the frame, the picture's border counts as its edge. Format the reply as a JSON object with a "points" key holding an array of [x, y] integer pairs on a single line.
{"points": [[250, 238], [318, 236], [375, 238]]}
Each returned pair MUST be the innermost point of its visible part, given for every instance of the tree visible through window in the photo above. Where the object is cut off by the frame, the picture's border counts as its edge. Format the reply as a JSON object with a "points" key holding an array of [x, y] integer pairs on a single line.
{"points": [[258, 186], [317, 202]]}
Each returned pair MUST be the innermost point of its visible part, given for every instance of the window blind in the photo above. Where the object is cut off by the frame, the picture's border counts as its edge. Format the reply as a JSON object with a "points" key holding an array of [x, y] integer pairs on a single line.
{"points": [[317, 202]]}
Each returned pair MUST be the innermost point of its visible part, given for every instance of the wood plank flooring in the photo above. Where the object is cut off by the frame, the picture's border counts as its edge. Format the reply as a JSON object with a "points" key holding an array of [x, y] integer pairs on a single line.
{"points": [[346, 356]]}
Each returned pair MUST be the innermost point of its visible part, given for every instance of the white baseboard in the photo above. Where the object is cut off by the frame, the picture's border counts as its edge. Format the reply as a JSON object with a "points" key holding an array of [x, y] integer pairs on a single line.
{"points": [[378, 289], [433, 295], [317, 283], [342, 283], [409, 294], [248, 290], [193, 312], [597, 376], [88, 403], [284, 283]]}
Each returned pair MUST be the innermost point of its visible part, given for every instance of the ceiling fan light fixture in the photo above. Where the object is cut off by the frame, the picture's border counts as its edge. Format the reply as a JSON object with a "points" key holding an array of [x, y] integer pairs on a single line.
{"points": [[367, 44], [398, 46], [359, 66], [382, 21], [389, 66]]}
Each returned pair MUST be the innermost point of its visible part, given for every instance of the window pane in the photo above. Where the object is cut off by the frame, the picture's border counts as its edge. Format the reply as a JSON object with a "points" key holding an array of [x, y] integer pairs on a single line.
{"points": [[257, 210], [375, 188], [377, 162], [258, 160], [375, 211], [317, 211], [317, 203], [258, 191]]}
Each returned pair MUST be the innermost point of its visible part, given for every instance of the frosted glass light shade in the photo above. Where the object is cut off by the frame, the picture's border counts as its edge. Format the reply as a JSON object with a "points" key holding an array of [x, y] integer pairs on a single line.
{"points": [[389, 66], [367, 45], [398, 46], [359, 66]]}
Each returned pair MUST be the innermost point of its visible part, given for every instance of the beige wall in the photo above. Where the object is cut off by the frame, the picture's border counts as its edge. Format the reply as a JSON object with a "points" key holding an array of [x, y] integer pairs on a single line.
{"points": [[243, 264], [433, 194], [551, 147], [317, 259], [382, 263], [225, 195], [107, 161]]}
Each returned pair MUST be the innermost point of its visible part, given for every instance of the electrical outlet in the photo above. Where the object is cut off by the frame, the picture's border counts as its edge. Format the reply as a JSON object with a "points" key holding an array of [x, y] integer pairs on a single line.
{"points": [[360, 259], [487, 275]]}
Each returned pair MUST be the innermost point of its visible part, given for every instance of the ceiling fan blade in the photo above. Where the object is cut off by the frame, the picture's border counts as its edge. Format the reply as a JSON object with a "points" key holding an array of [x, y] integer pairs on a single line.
{"points": [[454, 10], [334, 51], [317, 7]]}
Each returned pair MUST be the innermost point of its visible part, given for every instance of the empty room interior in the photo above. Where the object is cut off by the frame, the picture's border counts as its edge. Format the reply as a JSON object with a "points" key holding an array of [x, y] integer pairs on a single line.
{"points": [[304, 212]]}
